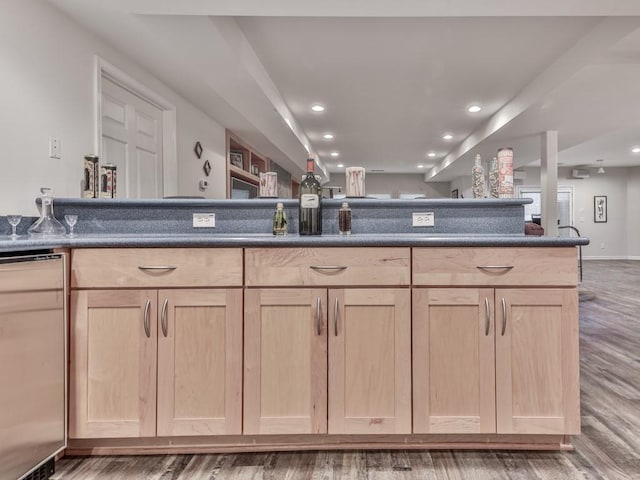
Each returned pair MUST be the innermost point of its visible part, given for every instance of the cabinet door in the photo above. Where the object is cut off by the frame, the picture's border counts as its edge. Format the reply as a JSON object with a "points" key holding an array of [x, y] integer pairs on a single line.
{"points": [[113, 363], [453, 361], [369, 361], [537, 365], [200, 362], [285, 361]]}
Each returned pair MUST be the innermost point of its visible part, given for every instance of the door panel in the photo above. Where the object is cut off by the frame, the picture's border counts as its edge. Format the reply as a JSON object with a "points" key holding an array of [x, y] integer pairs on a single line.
{"points": [[113, 364], [370, 361], [453, 361], [537, 361], [200, 362], [132, 140], [285, 354]]}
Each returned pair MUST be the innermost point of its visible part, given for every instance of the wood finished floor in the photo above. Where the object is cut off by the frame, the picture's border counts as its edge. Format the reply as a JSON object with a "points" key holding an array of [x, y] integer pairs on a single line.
{"points": [[609, 447]]}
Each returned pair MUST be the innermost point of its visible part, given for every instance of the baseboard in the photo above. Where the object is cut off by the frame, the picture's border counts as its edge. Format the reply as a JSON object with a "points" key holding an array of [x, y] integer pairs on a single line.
{"points": [[609, 258]]}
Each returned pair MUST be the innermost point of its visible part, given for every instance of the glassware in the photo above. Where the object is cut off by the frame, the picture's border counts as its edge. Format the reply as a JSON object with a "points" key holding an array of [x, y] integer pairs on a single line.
{"points": [[344, 219], [46, 225], [14, 220], [71, 220], [280, 220]]}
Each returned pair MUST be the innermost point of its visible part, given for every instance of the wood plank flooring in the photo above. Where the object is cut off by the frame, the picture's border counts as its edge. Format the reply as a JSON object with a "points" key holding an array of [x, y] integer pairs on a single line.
{"points": [[609, 447]]}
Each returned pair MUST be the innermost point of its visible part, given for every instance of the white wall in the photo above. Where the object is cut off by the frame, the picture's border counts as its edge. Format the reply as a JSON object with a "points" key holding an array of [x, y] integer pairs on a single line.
{"points": [[47, 89], [633, 218], [608, 240], [396, 183]]}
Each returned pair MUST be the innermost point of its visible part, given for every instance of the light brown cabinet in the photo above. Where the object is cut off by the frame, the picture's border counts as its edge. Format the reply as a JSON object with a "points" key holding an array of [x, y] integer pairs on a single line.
{"points": [[495, 360], [327, 360], [147, 362], [239, 347], [331, 361]]}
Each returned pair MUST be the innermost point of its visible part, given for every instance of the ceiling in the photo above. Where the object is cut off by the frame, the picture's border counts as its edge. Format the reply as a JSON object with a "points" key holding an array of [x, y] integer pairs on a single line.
{"points": [[395, 76]]}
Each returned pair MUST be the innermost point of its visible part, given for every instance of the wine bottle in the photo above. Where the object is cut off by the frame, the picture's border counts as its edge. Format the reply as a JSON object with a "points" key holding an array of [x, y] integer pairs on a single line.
{"points": [[310, 219]]}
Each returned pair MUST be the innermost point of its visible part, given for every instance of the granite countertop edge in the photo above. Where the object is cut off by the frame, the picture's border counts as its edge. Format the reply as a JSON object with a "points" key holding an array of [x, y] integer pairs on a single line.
{"points": [[294, 240]]}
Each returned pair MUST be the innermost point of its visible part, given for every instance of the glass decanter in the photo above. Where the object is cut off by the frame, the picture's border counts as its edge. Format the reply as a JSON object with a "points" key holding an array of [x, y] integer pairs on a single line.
{"points": [[46, 225]]}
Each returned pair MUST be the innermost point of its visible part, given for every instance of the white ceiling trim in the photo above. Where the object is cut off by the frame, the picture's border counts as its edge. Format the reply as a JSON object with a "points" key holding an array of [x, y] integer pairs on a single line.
{"points": [[238, 43], [593, 45], [381, 8]]}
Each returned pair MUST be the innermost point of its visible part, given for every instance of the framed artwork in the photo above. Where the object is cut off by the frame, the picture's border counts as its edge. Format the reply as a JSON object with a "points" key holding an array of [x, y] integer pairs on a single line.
{"points": [[454, 193], [206, 167], [236, 159], [198, 149], [600, 209]]}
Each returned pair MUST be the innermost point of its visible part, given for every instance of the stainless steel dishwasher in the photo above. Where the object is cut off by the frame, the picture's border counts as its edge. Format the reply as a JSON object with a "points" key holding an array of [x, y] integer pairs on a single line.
{"points": [[32, 364]]}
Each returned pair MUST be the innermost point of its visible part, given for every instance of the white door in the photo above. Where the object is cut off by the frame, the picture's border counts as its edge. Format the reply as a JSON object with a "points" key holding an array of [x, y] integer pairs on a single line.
{"points": [[132, 140]]}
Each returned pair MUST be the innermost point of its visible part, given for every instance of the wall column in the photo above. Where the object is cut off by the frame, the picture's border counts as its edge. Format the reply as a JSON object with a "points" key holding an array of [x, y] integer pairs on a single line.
{"points": [[549, 182]]}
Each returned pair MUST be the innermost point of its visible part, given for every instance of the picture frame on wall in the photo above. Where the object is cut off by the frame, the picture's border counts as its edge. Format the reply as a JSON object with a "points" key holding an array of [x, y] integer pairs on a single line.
{"points": [[600, 209], [454, 193], [236, 159]]}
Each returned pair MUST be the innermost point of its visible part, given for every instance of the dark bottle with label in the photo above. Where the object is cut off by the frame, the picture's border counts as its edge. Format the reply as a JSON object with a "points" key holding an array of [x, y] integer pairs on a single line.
{"points": [[310, 222]]}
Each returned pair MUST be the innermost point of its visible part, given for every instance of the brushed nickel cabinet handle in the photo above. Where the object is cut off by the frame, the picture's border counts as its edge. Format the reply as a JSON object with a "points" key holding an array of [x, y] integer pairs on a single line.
{"points": [[328, 267], [494, 267], [335, 317], [157, 267], [163, 318], [147, 326], [504, 316], [318, 316], [487, 311]]}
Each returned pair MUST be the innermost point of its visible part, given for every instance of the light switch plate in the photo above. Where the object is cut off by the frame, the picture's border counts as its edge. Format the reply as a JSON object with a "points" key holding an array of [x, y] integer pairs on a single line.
{"points": [[54, 147], [423, 219], [204, 220]]}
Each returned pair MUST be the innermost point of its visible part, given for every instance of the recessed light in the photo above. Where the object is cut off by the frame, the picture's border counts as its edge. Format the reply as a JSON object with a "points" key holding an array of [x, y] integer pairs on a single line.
{"points": [[328, 136], [317, 107], [431, 154], [474, 109], [335, 154], [447, 136], [420, 166], [340, 165], [635, 150]]}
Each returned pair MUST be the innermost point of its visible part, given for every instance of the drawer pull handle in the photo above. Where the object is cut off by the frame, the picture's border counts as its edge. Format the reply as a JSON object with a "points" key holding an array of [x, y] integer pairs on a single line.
{"points": [[487, 310], [504, 316], [328, 267], [335, 317], [157, 267], [318, 316], [495, 267], [163, 318], [145, 322]]}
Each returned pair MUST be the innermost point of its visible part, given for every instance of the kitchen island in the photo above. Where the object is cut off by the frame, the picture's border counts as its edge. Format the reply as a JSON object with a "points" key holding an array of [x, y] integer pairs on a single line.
{"points": [[464, 335]]}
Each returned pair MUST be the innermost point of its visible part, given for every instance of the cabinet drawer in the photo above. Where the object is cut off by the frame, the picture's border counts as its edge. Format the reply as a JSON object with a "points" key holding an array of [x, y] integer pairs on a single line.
{"points": [[156, 267], [327, 266], [490, 266]]}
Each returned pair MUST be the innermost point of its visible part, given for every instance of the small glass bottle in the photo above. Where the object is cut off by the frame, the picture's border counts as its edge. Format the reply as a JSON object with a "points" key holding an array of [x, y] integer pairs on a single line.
{"points": [[280, 220], [344, 219], [477, 179]]}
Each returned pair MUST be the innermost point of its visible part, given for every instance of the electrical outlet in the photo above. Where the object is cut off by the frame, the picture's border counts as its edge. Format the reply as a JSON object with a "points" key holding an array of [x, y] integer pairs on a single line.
{"points": [[204, 220], [602, 246], [54, 148], [423, 219]]}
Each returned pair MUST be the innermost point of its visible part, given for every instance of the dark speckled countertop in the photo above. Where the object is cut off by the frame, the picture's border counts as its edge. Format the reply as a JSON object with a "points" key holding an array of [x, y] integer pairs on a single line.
{"points": [[247, 223], [266, 240]]}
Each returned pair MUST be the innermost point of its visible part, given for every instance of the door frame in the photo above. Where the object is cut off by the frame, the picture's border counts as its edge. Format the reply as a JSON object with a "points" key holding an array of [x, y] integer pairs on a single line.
{"points": [[169, 122]]}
